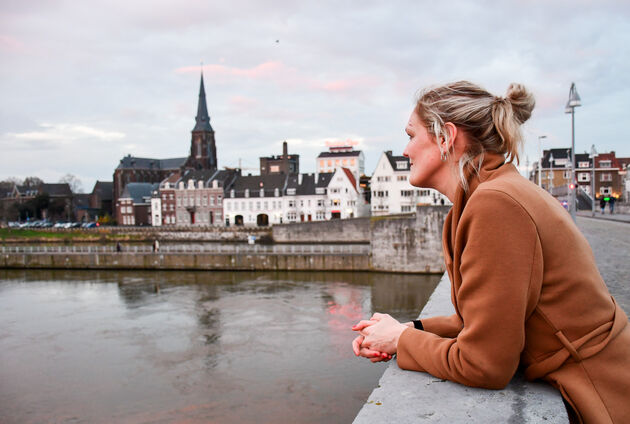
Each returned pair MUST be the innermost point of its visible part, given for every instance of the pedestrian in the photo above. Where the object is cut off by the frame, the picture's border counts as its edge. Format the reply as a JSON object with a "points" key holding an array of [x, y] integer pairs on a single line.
{"points": [[611, 204], [602, 204], [521, 298], [156, 246], [118, 247]]}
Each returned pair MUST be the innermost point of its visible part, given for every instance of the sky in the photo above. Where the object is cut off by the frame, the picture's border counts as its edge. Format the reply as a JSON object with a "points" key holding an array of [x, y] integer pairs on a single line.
{"points": [[85, 83]]}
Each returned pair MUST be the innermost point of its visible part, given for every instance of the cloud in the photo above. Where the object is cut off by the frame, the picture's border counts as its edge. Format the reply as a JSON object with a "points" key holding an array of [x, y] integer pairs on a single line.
{"points": [[56, 136], [10, 44]]}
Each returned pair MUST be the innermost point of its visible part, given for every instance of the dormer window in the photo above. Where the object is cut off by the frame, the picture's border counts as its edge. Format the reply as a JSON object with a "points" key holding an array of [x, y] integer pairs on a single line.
{"points": [[276, 192], [166, 185], [191, 184], [246, 192], [401, 164], [181, 185], [262, 192], [291, 191], [200, 184], [232, 193], [320, 190]]}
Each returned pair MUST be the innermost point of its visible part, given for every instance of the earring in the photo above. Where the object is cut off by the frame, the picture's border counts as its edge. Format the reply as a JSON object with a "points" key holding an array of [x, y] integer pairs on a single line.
{"points": [[443, 156]]}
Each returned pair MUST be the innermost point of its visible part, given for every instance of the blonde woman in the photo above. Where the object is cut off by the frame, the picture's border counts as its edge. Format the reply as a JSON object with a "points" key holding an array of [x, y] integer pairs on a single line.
{"points": [[524, 282]]}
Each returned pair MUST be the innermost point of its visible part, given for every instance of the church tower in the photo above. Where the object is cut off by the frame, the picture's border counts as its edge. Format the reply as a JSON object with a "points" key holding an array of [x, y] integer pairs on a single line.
{"points": [[203, 150]]}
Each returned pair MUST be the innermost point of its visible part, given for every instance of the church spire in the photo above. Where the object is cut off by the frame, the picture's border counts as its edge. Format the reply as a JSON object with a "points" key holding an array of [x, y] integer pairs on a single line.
{"points": [[203, 120]]}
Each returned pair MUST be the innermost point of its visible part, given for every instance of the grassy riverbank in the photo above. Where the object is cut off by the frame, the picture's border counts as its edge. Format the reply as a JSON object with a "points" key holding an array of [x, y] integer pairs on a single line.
{"points": [[21, 235]]}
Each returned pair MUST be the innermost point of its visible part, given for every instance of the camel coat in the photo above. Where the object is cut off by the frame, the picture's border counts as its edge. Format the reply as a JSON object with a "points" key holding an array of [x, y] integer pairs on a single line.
{"points": [[526, 292]]}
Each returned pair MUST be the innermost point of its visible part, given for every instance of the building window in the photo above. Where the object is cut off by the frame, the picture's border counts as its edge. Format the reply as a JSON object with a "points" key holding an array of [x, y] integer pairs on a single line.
{"points": [[605, 163], [402, 178], [583, 177], [583, 164], [567, 175], [606, 177]]}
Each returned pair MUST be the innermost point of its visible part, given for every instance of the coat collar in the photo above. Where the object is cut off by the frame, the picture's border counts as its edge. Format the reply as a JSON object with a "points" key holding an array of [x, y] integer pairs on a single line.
{"points": [[491, 162]]}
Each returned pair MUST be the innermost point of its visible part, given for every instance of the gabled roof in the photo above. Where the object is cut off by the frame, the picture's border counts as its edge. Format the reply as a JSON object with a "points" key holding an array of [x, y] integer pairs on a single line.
{"points": [[198, 175], [323, 179], [105, 189], [562, 153], [269, 183], [133, 162], [394, 159], [171, 179], [339, 154], [56, 189], [582, 157], [350, 176], [140, 193]]}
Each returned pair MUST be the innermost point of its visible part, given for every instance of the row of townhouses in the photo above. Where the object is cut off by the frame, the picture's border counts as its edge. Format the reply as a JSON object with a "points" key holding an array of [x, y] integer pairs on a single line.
{"points": [[603, 174]]}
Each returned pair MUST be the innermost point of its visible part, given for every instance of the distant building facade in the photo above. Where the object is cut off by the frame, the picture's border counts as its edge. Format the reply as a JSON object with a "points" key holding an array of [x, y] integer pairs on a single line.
{"points": [[286, 163], [341, 157]]}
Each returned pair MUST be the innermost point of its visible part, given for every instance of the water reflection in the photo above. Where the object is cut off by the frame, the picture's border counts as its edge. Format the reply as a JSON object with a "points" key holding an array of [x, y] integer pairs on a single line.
{"points": [[135, 347]]}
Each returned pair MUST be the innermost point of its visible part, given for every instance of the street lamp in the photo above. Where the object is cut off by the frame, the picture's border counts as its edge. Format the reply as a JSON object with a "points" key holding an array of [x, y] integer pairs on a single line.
{"points": [[574, 101], [592, 156], [540, 137]]}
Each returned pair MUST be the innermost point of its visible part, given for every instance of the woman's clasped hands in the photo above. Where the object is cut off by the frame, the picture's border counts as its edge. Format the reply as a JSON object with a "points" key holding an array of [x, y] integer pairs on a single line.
{"points": [[378, 337]]}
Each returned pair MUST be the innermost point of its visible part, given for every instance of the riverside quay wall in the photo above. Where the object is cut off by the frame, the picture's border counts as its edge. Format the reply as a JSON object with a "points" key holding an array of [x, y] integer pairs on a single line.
{"points": [[188, 261], [398, 243], [409, 243]]}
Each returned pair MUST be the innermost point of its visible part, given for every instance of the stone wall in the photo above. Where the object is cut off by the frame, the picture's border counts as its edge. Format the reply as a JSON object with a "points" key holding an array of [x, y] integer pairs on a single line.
{"points": [[406, 243], [354, 230], [187, 261]]}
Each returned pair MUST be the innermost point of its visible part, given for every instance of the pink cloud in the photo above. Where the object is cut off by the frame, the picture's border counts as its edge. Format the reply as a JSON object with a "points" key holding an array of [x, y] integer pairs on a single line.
{"points": [[264, 70], [10, 43], [284, 76]]}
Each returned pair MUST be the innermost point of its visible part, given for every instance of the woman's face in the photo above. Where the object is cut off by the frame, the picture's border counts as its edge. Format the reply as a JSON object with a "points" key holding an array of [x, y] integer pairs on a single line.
{"points": [[424, 155]]}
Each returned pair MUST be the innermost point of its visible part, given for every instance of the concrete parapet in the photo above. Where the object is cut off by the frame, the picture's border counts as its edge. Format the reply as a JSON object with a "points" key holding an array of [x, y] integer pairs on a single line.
{"points": [[414, 397]]}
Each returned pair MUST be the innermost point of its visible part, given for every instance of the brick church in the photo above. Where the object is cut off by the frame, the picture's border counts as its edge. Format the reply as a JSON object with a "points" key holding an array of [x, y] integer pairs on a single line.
{"points": [[203, 156]]}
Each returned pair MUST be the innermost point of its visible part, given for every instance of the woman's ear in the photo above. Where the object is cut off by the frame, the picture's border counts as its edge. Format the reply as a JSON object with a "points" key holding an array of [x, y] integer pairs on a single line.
{"points": [[449, 143]]}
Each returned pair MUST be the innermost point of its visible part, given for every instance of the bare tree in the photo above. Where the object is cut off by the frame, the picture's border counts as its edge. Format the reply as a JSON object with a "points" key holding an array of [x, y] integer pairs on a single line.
{"points": [[75, 184], [32, 182]]}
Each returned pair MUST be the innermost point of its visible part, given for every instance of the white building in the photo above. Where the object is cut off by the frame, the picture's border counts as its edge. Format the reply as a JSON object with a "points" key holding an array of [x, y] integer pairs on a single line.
{"points": [[262, 200], [156, 209], [255, 200], [391, 191], [341, 157]]}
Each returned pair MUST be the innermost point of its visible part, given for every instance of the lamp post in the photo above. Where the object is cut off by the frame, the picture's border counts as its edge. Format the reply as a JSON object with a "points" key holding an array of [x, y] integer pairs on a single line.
{"points": [[592, 156], [574, 101], [540, 137]]}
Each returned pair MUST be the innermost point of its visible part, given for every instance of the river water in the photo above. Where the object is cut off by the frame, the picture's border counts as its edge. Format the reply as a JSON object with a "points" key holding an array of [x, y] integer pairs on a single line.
{"points": [[191, 347]]}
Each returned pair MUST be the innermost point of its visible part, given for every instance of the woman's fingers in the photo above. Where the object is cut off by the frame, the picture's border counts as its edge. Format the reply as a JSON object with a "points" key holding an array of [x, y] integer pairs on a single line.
{"points": [[378, 316], [362, 324], [356, 345]]}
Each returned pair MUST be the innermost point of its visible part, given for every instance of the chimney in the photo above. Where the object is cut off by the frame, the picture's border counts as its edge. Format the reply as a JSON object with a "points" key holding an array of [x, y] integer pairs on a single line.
{"points": [[299, 179], [285, 157]]}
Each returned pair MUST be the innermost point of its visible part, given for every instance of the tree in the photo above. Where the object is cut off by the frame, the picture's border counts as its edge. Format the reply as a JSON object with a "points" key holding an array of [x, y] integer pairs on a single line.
{"points": [[32, 182], [75, 184]]}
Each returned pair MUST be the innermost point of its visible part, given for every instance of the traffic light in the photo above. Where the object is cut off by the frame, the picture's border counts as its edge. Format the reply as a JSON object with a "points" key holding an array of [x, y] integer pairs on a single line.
{"points": [[572, 186]]}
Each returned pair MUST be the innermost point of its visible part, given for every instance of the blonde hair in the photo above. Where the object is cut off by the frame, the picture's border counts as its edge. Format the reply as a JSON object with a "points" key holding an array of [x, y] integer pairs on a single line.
{"points": [[492, 124]]}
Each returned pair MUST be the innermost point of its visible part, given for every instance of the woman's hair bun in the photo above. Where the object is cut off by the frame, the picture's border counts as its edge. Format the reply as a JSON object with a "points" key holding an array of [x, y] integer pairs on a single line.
{"points": [[522, 101]]}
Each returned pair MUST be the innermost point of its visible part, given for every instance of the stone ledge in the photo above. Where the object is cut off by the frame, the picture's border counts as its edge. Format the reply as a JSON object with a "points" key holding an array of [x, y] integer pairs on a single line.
{"points": [[415, 397]]}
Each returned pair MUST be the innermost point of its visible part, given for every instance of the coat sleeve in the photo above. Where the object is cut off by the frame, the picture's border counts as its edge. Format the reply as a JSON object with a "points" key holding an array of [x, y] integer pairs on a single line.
{"points": [[443, 326], [498, 244]]}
